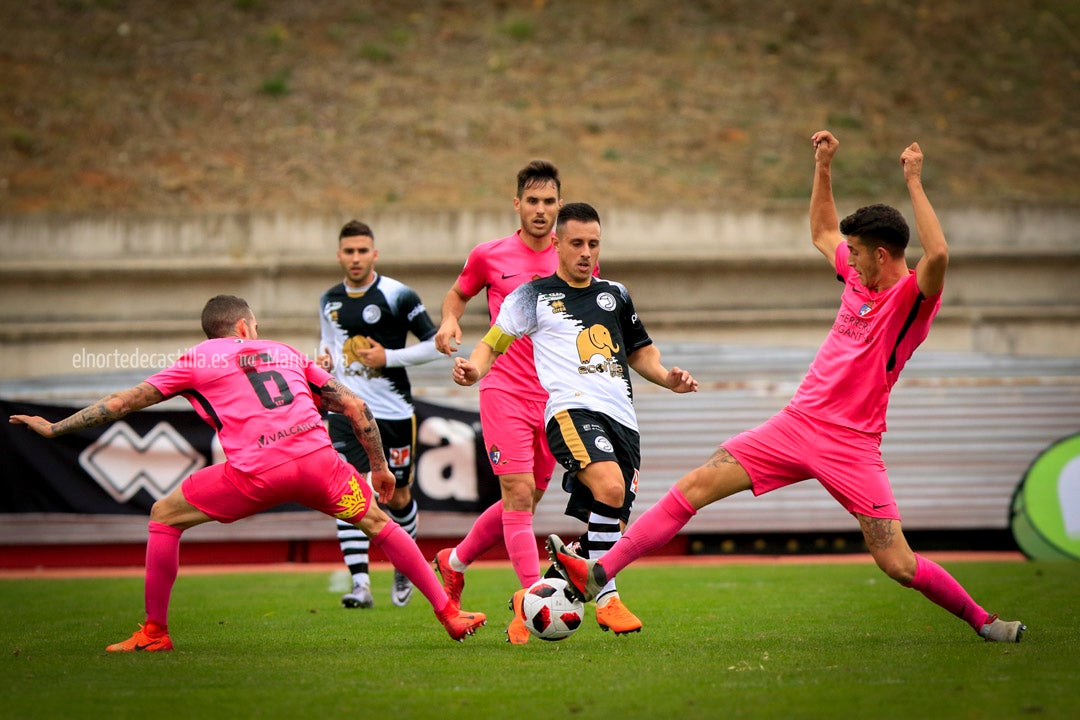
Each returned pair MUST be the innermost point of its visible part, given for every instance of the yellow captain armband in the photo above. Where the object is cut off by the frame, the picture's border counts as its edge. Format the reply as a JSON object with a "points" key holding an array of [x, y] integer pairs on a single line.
{"points": [[497, 339]]}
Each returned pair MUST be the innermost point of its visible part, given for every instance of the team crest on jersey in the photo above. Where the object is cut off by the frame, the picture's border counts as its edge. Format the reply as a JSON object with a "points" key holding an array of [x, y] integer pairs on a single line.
{"points": [[495, 454], [603, 444], [354, 503], [371, 314], [606, 301], [399, 456], [867, 307]]}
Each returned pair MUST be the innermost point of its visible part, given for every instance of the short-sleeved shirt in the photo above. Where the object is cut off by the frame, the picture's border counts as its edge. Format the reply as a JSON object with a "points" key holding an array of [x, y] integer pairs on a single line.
{"points": [[581, 340], [872, 338], [387, 311], [501, 266], [258, 394]]}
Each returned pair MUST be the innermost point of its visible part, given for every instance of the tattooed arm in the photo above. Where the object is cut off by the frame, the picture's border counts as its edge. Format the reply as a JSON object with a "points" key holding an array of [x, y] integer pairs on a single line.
{"points": [[106, 410], [338, 398]]}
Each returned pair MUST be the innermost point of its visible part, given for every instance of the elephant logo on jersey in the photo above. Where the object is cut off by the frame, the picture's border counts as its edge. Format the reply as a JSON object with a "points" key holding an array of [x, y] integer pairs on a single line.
{"points": [[351, 350], [595, 340]]}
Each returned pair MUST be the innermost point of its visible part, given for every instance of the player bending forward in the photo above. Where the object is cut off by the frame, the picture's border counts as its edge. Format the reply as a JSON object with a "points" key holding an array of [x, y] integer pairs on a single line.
{"points": [[831, 429], [260, 397], [586, 336]]}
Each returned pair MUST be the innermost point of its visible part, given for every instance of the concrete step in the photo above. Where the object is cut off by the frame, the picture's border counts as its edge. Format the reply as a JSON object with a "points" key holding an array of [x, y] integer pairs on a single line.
{"points": [[32, 349]]}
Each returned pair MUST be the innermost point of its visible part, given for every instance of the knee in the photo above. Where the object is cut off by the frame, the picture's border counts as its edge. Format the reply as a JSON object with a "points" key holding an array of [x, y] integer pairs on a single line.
{"points": [[517, 492], [610, 493], [373, 522], [157, 512], [167, 512], [713, 481], [900, 568]]}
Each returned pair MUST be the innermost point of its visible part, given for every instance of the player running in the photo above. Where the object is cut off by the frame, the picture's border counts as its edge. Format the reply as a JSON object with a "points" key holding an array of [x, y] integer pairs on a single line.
{"points": [[832, 427]]}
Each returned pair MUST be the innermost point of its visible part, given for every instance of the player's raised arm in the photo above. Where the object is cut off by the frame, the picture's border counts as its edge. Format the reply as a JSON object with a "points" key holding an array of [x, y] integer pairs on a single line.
{"points": [[824, 220], [930, 270], [104, 411]]}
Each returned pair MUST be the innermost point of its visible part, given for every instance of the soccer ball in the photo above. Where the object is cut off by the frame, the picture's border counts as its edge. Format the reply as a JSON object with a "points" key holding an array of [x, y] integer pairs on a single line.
{"points": [[551, 612]]}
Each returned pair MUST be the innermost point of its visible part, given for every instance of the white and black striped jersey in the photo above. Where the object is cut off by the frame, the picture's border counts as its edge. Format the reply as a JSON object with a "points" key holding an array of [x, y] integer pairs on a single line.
{"points": [[581, 339], [387, 311]]}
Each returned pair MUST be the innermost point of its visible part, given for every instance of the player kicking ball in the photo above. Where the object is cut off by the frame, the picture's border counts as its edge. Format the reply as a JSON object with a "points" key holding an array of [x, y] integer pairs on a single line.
{"points": [[832, 427], [586, 338]]}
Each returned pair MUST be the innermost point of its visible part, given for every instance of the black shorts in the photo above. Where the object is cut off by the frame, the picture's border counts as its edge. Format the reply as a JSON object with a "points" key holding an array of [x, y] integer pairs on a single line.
{"points": [[398, 440], [580, 437]]}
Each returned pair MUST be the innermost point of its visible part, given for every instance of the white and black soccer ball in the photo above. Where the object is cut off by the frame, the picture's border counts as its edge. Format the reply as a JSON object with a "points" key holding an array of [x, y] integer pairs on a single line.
{"points": [[551, 612]]}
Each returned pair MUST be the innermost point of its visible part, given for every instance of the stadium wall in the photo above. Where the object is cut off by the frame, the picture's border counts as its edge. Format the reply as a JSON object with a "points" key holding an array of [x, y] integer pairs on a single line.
{"points": [[74, 291]]}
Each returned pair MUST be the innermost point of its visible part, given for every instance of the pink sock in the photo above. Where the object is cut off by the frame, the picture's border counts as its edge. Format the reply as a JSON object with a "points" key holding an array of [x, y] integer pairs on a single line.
{"points": [[484, 535], [940, 587], [655, 527], [162, 564], [406, 557], [521, 545]]}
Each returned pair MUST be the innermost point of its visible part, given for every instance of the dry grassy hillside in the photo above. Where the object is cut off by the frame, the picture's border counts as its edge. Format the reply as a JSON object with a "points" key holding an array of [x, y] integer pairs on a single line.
{"points": [[266, 105]]}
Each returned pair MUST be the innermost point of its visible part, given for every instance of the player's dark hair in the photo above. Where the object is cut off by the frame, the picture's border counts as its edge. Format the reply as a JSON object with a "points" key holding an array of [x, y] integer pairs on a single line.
{"points": [[355, 228], [536, 173], [582, 212], [878, 226], [220, 314]]}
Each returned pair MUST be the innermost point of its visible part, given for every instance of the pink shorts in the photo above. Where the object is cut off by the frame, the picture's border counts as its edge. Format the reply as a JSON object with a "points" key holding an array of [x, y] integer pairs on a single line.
{"points": [[791, 447], [320, 480], [514, 435]]}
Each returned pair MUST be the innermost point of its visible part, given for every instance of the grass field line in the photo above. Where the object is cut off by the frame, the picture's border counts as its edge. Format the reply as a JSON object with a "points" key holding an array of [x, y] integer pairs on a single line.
{"points": [[702, 560]]}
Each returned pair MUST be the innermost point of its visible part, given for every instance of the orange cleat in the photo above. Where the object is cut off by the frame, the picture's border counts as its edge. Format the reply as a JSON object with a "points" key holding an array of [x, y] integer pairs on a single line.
{"points": [[516, 632], [142, 641], [459, 623], [616, 617], [453, 582]]}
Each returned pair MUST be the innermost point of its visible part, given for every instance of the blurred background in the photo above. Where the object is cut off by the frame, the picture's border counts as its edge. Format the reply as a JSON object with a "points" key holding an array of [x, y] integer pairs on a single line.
{"points": [[154, 154]]}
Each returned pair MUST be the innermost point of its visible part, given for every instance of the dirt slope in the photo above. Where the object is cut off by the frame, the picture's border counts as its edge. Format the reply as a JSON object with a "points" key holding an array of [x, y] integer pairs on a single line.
{"points": [[264, 105]]}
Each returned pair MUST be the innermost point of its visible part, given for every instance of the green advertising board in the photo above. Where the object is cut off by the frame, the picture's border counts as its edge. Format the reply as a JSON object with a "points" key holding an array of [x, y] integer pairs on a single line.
{"points": [[1046, 505]]}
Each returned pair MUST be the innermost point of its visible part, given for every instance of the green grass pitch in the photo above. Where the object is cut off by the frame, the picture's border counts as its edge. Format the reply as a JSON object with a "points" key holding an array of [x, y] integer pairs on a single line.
{"points": [[720, 641]]}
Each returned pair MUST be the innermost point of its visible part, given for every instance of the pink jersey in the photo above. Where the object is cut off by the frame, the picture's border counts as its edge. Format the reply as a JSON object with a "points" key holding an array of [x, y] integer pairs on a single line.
{"points": [[501, 266], [871, 340], [257, 394]]}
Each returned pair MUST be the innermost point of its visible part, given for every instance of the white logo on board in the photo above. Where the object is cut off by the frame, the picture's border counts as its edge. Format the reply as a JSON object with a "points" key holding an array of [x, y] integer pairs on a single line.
{"points": [[123, 462]]}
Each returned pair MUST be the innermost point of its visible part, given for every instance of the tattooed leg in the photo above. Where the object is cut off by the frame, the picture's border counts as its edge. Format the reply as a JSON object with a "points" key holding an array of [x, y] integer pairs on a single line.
{"points": [[720, 476], [886, 542]]}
